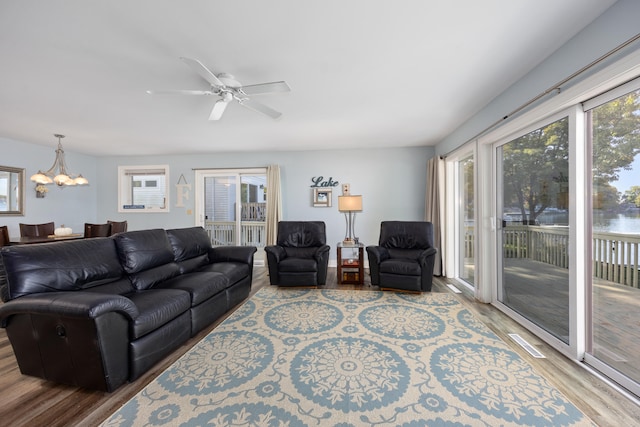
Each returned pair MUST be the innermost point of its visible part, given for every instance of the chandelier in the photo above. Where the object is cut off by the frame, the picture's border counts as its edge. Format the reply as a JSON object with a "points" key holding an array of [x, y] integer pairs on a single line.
{"points": [[58, 172]]}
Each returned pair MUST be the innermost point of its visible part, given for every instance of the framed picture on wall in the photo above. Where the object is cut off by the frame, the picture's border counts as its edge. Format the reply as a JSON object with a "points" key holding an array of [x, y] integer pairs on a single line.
{"points": [[321, 197]]}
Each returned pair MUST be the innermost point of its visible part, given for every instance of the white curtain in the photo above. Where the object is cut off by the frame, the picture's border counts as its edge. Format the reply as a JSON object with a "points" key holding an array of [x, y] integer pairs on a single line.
{"points": [[434, 209], [274, 203]]}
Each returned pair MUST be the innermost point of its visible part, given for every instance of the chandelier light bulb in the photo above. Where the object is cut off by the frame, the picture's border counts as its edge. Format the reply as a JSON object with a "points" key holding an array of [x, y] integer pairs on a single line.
{"points": [[57, 173]]}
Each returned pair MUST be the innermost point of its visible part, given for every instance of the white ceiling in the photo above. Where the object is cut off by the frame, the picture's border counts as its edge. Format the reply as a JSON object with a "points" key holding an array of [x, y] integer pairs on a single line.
{"points": [[363, 73]]}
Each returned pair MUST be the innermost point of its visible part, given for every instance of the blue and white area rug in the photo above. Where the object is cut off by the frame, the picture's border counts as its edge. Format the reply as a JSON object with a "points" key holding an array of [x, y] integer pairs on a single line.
{"points": [[340, 358]]}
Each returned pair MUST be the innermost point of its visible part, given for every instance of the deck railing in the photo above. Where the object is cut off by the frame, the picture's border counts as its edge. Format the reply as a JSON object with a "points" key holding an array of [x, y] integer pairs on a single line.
{"points": [[223, 233], [616, 256]]}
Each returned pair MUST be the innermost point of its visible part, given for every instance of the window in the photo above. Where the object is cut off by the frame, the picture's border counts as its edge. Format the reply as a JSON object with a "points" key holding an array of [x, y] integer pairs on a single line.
{"points": [[143, 188]]}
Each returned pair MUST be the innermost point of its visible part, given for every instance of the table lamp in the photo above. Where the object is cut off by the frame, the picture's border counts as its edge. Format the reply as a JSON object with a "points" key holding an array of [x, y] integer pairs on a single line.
{"points": [[349, 205]]}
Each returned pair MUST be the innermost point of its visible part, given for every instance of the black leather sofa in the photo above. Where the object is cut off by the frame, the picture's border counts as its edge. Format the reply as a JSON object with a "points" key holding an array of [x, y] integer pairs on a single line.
{"points": [[98, 312]]}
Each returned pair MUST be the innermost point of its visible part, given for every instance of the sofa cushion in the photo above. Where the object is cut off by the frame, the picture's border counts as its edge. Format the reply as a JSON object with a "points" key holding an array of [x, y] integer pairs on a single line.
{"points": [[157, 307], [58, 266], [146, 256], [234, 271], [201, 285]]}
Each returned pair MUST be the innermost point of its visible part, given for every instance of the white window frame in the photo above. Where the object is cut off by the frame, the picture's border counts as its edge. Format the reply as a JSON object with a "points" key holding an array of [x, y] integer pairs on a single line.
{"points": [[124, 188]]}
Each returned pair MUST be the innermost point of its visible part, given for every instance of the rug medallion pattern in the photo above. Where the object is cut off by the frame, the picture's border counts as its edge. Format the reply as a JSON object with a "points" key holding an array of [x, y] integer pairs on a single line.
{"points": [[341, 358]]}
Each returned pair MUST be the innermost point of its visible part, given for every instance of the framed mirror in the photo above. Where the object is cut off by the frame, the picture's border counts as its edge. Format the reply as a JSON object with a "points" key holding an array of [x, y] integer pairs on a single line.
{"points": [[11, 191]]}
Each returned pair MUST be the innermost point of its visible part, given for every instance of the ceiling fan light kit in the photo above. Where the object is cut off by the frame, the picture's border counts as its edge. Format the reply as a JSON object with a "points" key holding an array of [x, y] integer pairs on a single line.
{"points": [[229, 89]]}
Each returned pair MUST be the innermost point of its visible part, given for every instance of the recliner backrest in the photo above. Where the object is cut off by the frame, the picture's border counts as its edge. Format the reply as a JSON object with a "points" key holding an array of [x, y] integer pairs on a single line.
{"points": [[31, 269], [406, 234], [301, 234], [190, 247], [146, 256]]}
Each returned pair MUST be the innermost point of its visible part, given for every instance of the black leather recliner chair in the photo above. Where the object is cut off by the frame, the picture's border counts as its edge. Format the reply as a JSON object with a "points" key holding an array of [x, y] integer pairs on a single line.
{"points": [[405, 256], [300, 256]]}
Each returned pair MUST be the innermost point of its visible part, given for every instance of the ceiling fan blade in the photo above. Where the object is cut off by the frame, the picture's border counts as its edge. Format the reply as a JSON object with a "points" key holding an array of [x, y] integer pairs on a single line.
{"points": [[204, 72], [218, 109], [180, 92], [260, 108], [261, 88]]}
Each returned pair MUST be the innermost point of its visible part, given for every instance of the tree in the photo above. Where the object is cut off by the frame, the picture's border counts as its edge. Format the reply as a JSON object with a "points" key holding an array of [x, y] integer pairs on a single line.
{"points": [[536, 170], [632, 195], [536, 165], [616, 136]]}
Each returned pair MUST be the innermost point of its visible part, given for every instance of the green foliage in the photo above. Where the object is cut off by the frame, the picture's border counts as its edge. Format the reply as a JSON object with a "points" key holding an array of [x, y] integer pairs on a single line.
{"points": [[632, 195], [536, 170], [616, 136], [536, 165]]}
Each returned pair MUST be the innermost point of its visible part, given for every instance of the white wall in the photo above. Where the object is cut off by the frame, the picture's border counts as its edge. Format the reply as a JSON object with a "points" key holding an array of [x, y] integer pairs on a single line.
{"points": [[392, 183], [617, 25], [69, 206]]}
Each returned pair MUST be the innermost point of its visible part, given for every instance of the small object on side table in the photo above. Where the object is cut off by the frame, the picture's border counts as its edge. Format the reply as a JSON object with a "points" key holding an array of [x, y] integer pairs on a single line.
{"points": [[350, 269]]}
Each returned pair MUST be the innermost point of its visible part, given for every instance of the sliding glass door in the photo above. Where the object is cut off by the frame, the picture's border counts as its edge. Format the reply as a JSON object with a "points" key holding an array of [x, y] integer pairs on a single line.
{"points": [[466, 220], [231, 206], [613, 127], [533, 225]]}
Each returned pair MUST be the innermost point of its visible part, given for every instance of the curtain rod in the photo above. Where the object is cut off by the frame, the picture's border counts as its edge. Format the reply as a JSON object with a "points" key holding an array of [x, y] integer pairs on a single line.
{"points": [[555, 88]]}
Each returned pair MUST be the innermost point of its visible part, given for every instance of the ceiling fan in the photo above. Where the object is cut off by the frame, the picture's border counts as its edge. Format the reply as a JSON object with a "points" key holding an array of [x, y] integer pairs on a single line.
{"points": [[227, 88]]}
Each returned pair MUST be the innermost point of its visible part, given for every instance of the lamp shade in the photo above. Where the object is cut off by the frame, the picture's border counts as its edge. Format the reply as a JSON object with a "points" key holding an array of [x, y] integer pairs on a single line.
{"points": [[349, 203]]}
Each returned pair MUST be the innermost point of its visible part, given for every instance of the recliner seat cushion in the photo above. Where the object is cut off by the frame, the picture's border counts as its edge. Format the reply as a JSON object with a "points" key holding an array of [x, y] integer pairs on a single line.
{"points": [[296, 265], [234, 271], [413, 254], [301, 252], [201, 285], [157, 307], [401, 266]]}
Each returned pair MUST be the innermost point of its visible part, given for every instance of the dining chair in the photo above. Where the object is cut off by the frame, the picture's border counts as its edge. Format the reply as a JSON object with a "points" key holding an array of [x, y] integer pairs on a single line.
{"points": [[4, 236], [37, 230], [117, 227], [97, 230]]}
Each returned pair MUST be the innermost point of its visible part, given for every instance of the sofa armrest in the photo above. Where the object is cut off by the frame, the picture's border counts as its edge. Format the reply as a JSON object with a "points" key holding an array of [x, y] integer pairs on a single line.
{"points": [[70, 304], [242, 254]]}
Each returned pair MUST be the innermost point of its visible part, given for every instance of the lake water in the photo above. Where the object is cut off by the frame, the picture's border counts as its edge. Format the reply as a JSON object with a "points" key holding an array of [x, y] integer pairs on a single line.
{"points": [[627, 223], [617, 223]]}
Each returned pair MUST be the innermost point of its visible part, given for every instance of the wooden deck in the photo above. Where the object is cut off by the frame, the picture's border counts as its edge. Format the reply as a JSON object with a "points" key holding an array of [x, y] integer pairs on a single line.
{"points": [[539, 292], [30, 401]]}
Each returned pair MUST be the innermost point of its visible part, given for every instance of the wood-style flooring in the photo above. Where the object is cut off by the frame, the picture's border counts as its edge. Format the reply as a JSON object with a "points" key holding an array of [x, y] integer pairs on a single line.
{"points": [[30, 401]]}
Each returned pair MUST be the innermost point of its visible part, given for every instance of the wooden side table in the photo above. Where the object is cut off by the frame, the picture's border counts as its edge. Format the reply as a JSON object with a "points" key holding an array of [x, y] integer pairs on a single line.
{"points": [[350, 264]]}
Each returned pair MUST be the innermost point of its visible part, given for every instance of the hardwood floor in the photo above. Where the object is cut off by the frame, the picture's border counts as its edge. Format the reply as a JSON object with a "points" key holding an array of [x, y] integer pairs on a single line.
{"points": [[33, 402]]}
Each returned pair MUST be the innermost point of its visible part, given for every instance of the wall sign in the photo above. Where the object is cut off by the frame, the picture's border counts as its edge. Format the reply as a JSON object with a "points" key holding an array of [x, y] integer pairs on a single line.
{"points": [[320, 182]]}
